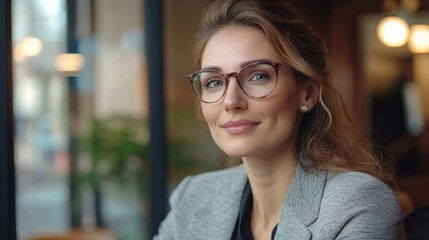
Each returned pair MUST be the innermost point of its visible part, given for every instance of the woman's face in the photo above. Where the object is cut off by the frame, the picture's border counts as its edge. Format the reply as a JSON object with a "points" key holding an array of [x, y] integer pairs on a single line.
{"points": [[243, 126]]}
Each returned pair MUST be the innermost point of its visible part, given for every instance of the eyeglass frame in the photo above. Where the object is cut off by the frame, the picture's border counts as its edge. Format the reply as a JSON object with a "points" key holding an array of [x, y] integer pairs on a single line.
{"points": [[226, 76]]}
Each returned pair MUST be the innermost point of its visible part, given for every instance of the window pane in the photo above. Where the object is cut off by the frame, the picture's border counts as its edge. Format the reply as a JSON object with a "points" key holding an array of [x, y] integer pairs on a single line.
{"points": [[40, 112], [99, 107]]}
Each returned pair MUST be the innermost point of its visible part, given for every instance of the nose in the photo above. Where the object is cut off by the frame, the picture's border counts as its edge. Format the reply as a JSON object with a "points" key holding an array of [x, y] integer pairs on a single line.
{"points": [[235, 98]]}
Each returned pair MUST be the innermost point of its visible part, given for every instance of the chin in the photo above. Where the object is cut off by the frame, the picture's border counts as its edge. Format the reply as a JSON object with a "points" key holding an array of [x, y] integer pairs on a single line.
{"points": [[238, 148], [237, 152], [234, 153]]}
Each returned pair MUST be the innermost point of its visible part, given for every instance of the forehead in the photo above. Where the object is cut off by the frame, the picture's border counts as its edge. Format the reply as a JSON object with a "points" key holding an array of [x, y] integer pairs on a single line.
{"points": [[231, 46]]}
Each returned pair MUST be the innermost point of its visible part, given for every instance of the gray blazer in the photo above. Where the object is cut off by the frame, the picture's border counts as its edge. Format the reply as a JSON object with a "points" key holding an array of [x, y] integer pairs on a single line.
{"points": [[318, 205]]}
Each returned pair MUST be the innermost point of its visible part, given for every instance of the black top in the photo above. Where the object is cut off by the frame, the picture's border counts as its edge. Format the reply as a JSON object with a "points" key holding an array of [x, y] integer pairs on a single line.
{"points": [[242, 230], [416, 224]]}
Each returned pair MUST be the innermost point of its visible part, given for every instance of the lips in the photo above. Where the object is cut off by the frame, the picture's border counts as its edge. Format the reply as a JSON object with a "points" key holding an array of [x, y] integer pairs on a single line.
{"points": [[240, 126]]}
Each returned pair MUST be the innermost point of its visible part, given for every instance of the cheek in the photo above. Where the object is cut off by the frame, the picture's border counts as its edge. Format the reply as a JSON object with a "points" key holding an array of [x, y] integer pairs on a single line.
{"points": [[283, 104], [209, 114]]}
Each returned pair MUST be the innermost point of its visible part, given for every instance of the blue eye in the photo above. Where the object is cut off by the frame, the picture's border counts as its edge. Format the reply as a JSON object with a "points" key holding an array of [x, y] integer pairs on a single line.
{"points": [[260, 77], [214, 83]]}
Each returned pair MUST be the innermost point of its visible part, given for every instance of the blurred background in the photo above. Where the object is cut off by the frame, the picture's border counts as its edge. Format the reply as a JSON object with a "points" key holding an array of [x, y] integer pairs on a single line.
{"points": [[81, 105]]}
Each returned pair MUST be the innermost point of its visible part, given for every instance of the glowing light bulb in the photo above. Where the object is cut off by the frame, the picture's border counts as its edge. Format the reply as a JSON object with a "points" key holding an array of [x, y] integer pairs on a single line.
{"points": [[69, 63], [31, 46], [393, 31], [419, 39], [27, 47]]}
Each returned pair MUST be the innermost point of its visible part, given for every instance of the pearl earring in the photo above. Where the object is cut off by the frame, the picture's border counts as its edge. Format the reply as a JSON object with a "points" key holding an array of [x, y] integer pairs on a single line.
{"points": [[304, 109]]}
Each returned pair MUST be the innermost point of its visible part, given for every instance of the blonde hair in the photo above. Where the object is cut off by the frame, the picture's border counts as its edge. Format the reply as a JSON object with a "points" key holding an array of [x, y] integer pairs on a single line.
{"points": [[327, 136]]}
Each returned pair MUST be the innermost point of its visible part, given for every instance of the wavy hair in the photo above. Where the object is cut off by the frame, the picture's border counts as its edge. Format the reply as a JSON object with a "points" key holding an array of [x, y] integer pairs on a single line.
{"points": [[327, 135]]}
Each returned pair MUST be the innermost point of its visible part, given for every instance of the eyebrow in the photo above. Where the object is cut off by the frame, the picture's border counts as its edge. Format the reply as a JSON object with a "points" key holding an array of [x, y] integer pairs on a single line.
{"points": [[242, 65]]}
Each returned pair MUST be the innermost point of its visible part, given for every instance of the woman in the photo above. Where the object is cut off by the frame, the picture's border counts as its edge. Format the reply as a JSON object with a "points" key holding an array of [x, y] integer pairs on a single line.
{"points": [[265, 96]]}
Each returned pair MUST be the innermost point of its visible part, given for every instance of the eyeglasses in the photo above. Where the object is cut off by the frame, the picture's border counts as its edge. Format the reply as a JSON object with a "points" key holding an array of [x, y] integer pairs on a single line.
{"points": [[257, 80]]}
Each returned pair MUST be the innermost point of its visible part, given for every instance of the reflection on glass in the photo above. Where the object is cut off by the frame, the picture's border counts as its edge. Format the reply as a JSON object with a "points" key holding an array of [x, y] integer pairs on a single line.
{"points": [[27, 47], [69, 63], [41, 156]]}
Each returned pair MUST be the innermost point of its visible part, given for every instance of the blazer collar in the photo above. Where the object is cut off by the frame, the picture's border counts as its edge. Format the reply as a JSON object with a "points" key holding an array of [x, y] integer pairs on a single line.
{"points": [[301, 205]]}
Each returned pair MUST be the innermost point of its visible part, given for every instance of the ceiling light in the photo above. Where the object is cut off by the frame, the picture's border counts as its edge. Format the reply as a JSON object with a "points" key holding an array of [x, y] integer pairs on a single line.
{"points": [[393, 31], [419, 39]]}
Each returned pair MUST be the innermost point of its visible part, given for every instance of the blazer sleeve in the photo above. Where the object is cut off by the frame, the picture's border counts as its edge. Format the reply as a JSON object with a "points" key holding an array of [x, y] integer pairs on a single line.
{"points": [[169, 226], [369, 210]]}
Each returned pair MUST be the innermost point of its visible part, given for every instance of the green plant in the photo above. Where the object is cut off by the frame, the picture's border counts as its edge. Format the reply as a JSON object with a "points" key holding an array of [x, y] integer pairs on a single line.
{"points": [[116, 153]]}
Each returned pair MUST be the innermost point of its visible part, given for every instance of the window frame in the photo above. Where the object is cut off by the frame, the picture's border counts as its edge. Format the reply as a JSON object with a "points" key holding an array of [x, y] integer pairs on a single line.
{"points": [[7, 168]]}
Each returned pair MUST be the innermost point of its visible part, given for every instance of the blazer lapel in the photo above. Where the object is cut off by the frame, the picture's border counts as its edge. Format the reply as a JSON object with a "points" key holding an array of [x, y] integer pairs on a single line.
{"points": [[221, 211], [301, 205]]}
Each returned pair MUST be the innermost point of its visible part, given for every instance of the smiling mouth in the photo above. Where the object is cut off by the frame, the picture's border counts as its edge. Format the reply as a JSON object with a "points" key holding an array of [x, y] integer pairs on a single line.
{"points": [[238, 127]]}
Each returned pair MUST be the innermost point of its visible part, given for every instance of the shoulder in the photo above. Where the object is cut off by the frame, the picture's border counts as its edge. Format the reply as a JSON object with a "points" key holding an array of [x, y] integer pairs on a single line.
{"points": [[356, 191], [203, 185], [361, 205], [203, 201], [350, 184]]}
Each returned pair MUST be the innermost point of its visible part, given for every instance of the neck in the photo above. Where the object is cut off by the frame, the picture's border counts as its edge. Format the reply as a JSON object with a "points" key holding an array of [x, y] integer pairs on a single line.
{"points": [[270, 180]]}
